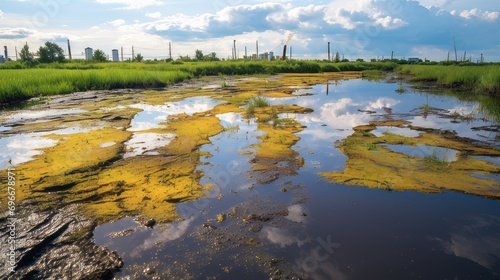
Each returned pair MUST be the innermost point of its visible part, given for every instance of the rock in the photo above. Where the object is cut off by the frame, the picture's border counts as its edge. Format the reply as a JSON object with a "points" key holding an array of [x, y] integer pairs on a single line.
{"points": [[57, 245], [145, 222]]}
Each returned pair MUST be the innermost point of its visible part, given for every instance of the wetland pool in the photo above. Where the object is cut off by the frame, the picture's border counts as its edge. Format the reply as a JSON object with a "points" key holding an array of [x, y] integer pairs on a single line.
{"points": [[339, 178]]}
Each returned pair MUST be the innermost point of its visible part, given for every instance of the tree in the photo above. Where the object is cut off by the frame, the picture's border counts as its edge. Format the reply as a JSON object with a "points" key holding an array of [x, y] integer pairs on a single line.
{"points": [[138, 58], [199, 55], [99, 56], [50, 53], [211, 57], [337, 57], [26, 56]]}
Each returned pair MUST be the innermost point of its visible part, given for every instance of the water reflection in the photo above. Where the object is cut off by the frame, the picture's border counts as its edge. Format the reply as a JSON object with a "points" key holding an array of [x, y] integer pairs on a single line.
{"points": [[22, 148], [158, 237], [282, 237], [31, 115], [297, 213], [145, 143], [422, 151], [476, 240], [152, 115]]}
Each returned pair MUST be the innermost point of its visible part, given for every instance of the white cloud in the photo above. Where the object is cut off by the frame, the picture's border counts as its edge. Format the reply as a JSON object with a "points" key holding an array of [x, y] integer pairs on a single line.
{"points": [[154, 15], [131, 4], [391, 23], [118, 22], [476, 13]]}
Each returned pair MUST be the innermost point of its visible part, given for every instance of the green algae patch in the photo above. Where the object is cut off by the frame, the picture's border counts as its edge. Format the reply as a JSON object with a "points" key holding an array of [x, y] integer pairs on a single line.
{"points": [[372, 164], [191, 132], [148, 186], [70, 162], [274, 155]]}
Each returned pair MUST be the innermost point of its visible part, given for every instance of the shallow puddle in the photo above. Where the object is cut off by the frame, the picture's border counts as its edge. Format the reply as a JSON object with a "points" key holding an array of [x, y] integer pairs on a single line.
{"points": [[335, 178], [422, 151]]}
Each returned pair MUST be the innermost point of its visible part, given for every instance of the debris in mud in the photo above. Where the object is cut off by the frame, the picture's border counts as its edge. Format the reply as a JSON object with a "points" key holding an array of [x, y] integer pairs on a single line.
{"points": [[145, 222], [122, 233]]}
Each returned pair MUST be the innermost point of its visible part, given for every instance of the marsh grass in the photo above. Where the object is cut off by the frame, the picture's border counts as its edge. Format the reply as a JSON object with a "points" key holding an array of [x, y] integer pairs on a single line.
{"points": [[24, 84], [480, 78], [255, 102], [230, 128], [401, 88], [435, 160], [18, 83], [372, 147]]}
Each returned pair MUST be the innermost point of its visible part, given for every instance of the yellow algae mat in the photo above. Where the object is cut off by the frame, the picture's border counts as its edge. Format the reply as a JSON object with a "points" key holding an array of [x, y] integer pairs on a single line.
{"points": [[371, 163], [89, 168]]}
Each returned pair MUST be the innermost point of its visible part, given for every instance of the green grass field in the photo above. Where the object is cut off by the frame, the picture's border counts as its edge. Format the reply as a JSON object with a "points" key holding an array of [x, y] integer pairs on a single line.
{"points": [[18, 83], [479, 78]]}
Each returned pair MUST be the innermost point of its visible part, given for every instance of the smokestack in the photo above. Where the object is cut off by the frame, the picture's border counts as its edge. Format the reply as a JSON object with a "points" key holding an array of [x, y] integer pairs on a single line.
{"points": [[133, 56], [329, 52], [69, 50], [290, 52], [284, 53], [392, 55], [15, 49], [122, 53], [6, 53], [234, 46], [257, 48]]}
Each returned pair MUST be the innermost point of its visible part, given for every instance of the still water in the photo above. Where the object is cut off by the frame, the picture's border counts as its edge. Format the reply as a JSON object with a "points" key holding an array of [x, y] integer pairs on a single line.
{"points": [[300, 223]]}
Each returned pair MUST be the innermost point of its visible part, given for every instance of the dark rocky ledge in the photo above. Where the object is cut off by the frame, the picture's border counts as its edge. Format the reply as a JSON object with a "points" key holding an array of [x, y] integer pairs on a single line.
{"points": [[55, 245]]}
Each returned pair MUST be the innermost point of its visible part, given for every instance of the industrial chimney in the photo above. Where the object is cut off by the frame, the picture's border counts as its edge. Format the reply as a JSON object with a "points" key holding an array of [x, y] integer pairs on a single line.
{"points": [[6, 53]]}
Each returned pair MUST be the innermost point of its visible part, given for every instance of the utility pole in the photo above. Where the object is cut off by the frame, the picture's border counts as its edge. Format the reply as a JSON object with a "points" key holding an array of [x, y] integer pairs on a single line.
{"points": [[170, 50], [329, 57], [455, 47], [69, 50]]}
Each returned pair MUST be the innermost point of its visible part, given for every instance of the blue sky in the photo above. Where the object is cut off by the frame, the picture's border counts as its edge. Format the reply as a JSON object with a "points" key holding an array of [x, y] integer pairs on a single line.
{"points": [[356, 29]]}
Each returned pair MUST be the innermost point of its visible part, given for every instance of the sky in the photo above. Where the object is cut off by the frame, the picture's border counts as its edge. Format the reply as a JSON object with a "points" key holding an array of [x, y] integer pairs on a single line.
{"points": [[427, 29]]}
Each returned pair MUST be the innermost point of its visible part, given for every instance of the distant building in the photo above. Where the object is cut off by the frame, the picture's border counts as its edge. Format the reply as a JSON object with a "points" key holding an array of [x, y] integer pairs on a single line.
{"points": [[271, 55], [115, 55], [413, 59], [89, 53], [2, 59], [264, 56]]}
